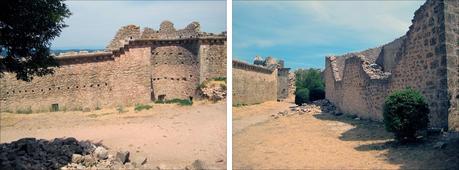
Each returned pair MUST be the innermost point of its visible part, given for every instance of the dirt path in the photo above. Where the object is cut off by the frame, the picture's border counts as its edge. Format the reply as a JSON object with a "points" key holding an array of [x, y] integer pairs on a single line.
{"points": [[168, 135], [323, 141]]}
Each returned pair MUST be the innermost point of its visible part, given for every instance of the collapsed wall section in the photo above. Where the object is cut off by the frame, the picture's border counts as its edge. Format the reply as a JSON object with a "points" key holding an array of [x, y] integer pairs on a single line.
{"points": [[253, 84], [358, 82]]}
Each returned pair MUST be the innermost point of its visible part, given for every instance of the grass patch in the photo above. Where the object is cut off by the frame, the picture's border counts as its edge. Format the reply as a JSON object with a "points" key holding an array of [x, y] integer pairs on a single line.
{"points": [[27, 110], [181, 102], [239, 105], [219, 79], [139, 107]]}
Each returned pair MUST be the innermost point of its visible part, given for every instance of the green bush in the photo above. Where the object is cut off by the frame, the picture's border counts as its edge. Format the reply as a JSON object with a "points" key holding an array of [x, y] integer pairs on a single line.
{"points": [[301, 96], [181, 102], [405, 112], [316, 94], [139, 107], [312, 80]]}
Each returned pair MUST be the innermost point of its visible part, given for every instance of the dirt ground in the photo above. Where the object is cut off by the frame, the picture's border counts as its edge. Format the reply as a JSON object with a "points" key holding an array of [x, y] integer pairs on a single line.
{"points": [[170, 136], [323, 141]]}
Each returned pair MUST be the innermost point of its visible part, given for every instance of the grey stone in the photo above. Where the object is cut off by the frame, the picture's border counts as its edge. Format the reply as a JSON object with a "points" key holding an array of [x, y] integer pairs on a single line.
{"points": [[122, 156], [440, 145], [77, 158]]}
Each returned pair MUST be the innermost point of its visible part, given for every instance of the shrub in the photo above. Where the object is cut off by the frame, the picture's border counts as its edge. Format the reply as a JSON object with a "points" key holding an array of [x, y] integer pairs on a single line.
{"points": [[139, 107], [301, 96], [316, 94], [405, 112]]}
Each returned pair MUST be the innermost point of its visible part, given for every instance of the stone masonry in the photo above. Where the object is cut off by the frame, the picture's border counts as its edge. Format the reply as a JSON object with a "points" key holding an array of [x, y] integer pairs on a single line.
{"points": [[426, 59], [265, 80], [136, 67]]}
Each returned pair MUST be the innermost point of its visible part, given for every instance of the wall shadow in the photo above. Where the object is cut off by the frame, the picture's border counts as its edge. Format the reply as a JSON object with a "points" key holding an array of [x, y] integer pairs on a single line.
{"points": [[419, 155]]}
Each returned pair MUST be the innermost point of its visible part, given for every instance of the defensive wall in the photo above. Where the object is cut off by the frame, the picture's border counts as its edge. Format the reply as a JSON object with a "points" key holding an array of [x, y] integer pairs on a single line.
{"points": [[426, 59], [136, 67]]}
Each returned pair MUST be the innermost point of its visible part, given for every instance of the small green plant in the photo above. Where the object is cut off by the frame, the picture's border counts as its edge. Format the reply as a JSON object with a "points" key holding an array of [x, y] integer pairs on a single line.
{"points": [[27, 110], [301, 96], [181, 102], [120, 109], [239, 105], [405, 112], [139, 107], [219, 79]]}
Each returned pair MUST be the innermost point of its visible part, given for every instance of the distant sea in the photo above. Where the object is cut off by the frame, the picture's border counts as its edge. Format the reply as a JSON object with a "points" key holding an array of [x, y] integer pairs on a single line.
{"points": [[58, 51]]}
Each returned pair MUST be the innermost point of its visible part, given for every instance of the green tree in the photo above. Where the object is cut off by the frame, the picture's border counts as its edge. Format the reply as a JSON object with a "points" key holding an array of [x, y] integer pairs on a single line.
{"points": [[312, 80], [405, 112], [27, 28]]}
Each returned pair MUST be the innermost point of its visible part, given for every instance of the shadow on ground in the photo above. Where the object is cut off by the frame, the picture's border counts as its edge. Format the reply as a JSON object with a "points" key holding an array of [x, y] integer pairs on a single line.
{"points": [[420, 155]]}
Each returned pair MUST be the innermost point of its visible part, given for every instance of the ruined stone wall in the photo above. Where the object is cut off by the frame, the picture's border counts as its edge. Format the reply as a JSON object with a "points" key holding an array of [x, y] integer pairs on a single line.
{"points": [[175, 71], [253, 84], [135, 70], [283, 83], [452, 53], [212, 55], [359, 86]]}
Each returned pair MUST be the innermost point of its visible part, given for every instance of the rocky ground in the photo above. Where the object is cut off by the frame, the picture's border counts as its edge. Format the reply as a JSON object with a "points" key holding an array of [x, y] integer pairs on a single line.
{"points": [[165, 137], [280, 135]]}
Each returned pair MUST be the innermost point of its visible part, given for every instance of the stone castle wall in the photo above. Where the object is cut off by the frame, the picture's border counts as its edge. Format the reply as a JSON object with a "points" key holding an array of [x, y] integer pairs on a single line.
{"points": [[253, 84], [359, 82], [138, 71], [283, 87]]}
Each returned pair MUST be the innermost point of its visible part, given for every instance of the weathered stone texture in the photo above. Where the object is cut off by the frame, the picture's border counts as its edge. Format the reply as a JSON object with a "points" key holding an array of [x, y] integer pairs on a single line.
{"points": [[424, 59], [139, 71], [265, 80], [253, 84]]}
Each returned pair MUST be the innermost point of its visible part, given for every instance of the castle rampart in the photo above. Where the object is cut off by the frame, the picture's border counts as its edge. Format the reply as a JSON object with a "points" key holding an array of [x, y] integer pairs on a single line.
{"points": [[132, 70]]}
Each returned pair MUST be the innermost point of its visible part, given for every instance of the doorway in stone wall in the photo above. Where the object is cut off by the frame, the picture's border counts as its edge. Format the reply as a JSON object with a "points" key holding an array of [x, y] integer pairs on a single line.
{"points": [[161, 98]]}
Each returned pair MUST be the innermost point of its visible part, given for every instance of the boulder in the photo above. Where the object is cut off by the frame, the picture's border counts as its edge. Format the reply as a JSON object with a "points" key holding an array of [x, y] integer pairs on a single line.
{"points": [[77, 158]]}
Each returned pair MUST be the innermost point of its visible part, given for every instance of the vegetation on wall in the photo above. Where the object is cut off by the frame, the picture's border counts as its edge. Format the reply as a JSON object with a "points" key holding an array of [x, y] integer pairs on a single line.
{"points": [[312, 80], [405, 113]]}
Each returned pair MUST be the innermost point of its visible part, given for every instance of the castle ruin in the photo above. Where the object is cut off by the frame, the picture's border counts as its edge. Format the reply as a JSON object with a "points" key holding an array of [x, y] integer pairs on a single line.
{"points": [[136, 67], [264, 80], [426, 59]]}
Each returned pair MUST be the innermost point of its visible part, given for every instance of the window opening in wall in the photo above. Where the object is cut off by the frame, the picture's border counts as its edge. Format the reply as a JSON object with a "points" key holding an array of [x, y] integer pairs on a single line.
{"points": [[184, 78], [84, 86], [54, 107], [76, 87], [162, 97], [33, 91], [41, 89], [19, 91], [90, 85], [7, 92], [25, 91], [58, 88], [191, 75], [98, 85], [106, 84], [191, 98], [182, 62], [179, 53], [68, 87], [49, 88]]}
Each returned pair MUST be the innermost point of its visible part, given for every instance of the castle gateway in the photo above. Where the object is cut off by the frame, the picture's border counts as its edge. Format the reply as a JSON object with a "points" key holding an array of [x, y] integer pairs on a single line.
{"points": [[136, 67]]}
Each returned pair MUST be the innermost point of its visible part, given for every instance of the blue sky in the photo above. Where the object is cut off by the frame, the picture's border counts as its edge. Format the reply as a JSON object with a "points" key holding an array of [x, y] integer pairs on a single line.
{"points": [[303, 32], [94, 23]]}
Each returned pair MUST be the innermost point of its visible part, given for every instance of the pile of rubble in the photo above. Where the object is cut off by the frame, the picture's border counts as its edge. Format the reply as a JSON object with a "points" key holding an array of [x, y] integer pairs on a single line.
{"points": [[30, 153], [317, 106], [327, 107], [214, 91], [66, 153]]}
